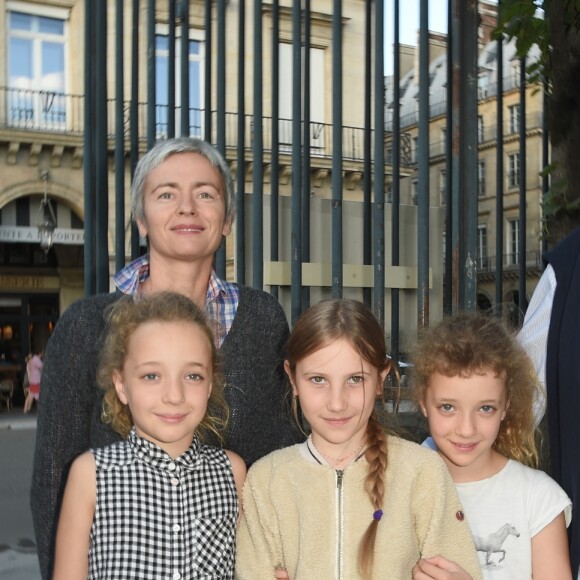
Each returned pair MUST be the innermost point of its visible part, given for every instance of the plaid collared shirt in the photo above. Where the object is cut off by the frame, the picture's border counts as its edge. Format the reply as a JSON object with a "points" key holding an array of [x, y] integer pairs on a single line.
{"points": [[221, 300]]}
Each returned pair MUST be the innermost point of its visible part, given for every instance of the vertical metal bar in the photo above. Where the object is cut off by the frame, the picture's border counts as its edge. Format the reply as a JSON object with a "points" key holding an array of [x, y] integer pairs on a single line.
{"points": [[220, 261], [395, 184], [337, 254], [184, 72], [545, 161], [423, 162], [207, 72], [499, 163], [367, 151], [455, 136], [379, 173], [296, 226], [275, 169], [101, 151], [134, 112], [89, 165], [306, 126], [241, 150], [449, 231], [119, 140], [469, 149], [221, 74], [522, 299], [171, 72], [258, 161], [151, 98]]}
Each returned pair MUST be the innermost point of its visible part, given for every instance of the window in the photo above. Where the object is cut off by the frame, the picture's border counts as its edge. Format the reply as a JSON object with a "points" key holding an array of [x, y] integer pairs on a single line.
{"points": [[514, 170], [414, 192], [482, 257], [195, 57], [480, 129], [483, 86], [36, 67], [442, 186], [514, 118], [513, 242], [317, 92], [515, 72], [481, 178], [414, 147]]}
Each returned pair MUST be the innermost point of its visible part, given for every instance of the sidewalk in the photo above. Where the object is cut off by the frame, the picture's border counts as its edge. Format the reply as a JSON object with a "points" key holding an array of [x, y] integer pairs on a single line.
{"points": [[18, 559], [16, 419]]}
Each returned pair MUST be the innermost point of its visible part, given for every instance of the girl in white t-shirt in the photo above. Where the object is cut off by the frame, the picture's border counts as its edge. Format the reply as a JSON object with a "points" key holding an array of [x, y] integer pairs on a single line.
{"points": [[476, 387]]}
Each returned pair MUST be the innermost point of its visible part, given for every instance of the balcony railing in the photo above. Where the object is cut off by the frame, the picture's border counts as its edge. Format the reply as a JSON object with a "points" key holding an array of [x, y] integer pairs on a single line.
{"points": [[488, 264], [42, 111], [534, 121]]}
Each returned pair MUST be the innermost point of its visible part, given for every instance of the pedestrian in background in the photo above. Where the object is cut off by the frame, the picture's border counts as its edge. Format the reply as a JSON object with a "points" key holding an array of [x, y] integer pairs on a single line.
{"points": [[34, 368]]}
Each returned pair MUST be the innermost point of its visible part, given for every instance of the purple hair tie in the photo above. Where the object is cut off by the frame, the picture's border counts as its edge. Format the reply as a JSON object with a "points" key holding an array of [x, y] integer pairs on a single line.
{"points": [[378, 515]]}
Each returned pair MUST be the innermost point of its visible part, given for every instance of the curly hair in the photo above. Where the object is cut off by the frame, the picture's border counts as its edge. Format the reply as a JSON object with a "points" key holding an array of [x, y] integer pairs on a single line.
{"points": [[468, 344], [320, 325], [124, 317]]}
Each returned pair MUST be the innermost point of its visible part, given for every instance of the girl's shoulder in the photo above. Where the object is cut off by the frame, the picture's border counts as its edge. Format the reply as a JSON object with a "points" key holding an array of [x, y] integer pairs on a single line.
{"points": [[408, 461], [517, 472], [115, 454], [406, 450]]}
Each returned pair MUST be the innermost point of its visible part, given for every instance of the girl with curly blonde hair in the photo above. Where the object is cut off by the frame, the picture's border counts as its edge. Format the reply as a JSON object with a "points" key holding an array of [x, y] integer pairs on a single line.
{"points": [[476, 386], [159, 500]]}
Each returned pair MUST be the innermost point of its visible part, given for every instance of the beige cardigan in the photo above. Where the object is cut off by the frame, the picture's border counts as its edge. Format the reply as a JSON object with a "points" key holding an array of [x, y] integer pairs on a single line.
{"points": [[291, 517]]}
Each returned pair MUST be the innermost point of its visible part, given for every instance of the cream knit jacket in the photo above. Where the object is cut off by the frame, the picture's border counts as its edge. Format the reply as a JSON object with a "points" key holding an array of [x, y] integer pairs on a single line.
{"points": [[292, 517]]}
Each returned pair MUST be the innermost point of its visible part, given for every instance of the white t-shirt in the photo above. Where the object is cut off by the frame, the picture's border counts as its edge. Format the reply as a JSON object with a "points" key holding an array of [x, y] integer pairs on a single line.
{"points": [[533, 335], [505, 512]]}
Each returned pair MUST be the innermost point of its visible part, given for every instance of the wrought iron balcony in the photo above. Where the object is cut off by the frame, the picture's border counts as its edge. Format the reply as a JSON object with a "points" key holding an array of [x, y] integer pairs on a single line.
{"points": [[510, 262], [60, 113]]}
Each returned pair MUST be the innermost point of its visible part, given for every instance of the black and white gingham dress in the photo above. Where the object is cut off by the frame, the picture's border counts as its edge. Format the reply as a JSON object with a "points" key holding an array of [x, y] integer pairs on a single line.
{"points": [[158, 518]]}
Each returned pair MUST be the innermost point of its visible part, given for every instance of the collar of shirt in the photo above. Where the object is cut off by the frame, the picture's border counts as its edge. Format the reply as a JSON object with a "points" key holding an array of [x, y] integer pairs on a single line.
{"points": [[153, 455], [221, 301]]}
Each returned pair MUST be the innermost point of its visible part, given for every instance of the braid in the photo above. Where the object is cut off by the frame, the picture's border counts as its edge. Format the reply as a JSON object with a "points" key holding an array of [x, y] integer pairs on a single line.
{"points": [[376, 456]]}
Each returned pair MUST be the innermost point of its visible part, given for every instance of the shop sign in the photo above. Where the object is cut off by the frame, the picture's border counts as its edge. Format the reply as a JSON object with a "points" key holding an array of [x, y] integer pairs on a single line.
{"points": [[28, 282], [29, 235]]}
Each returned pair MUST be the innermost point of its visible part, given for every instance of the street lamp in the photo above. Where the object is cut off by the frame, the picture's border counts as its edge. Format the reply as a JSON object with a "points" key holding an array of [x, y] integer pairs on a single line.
{"points": [[45, 220]]}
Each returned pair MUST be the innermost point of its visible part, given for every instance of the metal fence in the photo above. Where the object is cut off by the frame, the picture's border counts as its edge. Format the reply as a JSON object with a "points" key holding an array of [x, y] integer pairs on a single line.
{"points": [[259, 139]]}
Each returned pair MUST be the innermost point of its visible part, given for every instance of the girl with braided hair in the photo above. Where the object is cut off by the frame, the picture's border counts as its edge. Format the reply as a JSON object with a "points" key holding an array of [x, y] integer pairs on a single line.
{"points": [[352, 501]]}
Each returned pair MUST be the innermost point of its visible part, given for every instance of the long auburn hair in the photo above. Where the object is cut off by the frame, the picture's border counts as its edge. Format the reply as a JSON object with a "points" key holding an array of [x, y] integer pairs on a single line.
{"points": [[318, 326], [124, 317], [468, 344]]}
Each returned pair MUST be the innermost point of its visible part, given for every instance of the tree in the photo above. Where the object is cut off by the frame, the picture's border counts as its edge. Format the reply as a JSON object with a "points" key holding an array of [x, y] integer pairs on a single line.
{"points": [[558, 69]]}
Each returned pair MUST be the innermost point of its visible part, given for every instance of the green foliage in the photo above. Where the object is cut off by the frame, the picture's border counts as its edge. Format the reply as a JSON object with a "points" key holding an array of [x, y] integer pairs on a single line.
{"points": [[556, 200], [523, 21], [520, 20]]}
